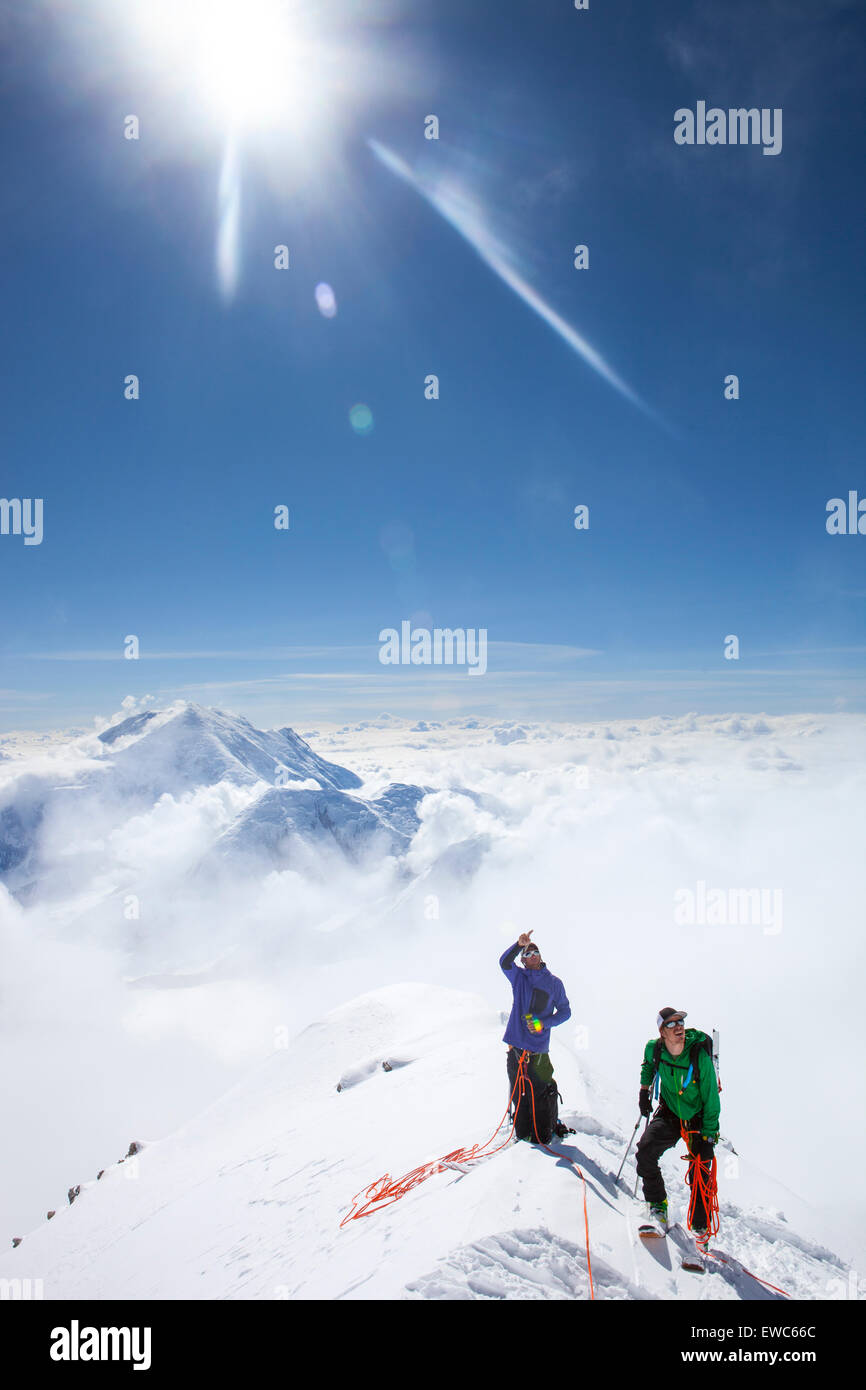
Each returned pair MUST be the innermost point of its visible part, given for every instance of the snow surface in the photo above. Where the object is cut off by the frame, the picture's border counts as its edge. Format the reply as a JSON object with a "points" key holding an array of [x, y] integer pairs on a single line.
{"points": [[150, 957], [246, 1200], [270, 827]]}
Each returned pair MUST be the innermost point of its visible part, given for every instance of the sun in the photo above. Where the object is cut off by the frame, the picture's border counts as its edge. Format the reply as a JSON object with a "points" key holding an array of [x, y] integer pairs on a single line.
{"points": [[278, 86], [252, 64]]}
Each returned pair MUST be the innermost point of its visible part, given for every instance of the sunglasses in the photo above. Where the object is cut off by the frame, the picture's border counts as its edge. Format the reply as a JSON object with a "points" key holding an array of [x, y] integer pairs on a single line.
{"points": [[531, 951], [674, 1023]]}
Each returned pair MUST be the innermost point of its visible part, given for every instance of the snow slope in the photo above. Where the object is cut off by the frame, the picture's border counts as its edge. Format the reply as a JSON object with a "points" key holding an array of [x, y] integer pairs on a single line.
{"points": [[246, 1200], [283, 815]]}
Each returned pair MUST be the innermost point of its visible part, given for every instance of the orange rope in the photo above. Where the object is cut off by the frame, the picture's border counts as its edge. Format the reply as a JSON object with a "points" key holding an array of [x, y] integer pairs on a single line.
{"points": [[570, 1160], [384, 1192], [703, 1184], [716, 1256]]}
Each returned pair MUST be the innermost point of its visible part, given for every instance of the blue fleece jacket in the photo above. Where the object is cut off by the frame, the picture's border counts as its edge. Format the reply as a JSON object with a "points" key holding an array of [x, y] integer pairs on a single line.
{"points": [[535, 992]]}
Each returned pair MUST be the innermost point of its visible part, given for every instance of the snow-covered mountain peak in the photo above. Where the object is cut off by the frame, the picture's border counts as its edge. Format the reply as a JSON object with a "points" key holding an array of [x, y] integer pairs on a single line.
{"points": [[189, 745], [178, 752]]}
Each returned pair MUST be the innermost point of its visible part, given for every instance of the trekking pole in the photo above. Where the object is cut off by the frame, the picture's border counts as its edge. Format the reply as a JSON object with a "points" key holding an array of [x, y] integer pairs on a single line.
{"points": [[627, 1147], [637, 1175]]}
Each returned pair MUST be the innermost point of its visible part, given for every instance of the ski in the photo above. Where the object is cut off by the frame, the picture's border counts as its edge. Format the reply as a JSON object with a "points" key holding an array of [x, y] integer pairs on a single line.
{"points": [[692, 1261], [649, 1230]]}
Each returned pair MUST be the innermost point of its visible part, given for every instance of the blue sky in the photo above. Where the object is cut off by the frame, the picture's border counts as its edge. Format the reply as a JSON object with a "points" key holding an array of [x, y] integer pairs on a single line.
{"points": [[707, 517]]}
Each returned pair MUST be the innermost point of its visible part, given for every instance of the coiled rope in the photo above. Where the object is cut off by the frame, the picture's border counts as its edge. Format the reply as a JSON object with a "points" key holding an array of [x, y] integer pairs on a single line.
{"points": [[705, 1186], [701, 1177]]}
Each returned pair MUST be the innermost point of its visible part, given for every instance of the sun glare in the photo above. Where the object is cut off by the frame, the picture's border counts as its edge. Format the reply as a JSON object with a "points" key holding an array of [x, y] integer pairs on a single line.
{"points": [[252, 62], [279, 85], [246, 68], [246, 64]]}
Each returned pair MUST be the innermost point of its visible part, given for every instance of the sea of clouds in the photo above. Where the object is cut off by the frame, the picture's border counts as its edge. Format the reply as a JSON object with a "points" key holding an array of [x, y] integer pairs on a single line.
{"points": [[116, 1028]]}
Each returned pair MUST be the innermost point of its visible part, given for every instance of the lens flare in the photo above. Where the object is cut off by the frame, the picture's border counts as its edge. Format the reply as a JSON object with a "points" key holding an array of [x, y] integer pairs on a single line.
{"points": [[361, 418], [228, 222], [326, 300], [461, 211]]}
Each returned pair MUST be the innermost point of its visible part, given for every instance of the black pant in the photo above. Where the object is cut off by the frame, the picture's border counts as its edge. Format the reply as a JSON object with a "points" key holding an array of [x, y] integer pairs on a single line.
{"points": [[536, 1112], [538, 1066], [661, 1134]]}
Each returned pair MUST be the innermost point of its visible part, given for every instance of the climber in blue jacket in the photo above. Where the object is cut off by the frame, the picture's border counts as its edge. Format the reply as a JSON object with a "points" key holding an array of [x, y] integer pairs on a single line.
{"points": [[540, 1003]]}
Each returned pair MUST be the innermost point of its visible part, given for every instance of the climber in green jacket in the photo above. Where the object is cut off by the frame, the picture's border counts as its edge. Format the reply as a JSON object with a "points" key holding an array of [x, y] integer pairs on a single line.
{"points": [[688, 1105]]}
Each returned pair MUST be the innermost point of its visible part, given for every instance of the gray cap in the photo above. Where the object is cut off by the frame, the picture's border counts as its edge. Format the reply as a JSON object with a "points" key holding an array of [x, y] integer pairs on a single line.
{"points": [[665, 1016]]}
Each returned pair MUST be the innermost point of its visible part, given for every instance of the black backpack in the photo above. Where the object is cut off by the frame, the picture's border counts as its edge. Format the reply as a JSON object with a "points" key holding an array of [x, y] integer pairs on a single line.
{"points": [[546, 1098], [543, 1096]]}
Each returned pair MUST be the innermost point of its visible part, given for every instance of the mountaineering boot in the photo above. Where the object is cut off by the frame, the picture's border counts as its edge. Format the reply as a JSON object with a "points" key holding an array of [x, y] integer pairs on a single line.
{"points": [[656, 1223], [658, 1212]]}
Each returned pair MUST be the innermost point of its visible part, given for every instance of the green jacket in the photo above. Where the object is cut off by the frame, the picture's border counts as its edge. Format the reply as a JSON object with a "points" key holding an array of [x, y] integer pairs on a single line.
{"points": [[702, 1092]]}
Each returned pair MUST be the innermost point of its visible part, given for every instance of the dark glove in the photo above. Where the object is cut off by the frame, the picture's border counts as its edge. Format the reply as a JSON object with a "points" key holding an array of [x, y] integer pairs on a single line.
{"points": [[645, 1102]]}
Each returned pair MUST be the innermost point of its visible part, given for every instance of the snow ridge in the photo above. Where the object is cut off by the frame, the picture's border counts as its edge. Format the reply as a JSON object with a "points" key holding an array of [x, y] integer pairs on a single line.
{"points": [[245, 1202]]}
